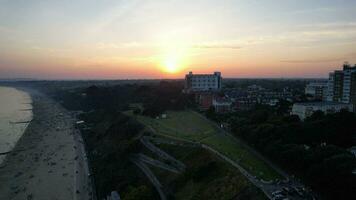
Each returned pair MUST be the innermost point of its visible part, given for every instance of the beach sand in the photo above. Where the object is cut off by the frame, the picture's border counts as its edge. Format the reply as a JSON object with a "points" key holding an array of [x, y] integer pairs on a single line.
{"points": [[48, 161]]}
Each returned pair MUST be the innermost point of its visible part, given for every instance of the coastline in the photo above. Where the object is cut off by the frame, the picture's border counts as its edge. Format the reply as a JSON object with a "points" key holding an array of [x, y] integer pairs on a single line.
{"points": [[47, 161], [15, 115]]}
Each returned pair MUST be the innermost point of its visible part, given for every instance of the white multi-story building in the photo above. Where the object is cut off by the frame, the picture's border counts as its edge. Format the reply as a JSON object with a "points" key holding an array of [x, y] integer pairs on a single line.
{"points": [[304, 110], [202, 82]]}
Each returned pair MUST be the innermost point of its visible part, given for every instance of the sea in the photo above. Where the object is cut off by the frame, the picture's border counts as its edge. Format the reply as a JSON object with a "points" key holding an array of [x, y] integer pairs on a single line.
{"points": [[15, 113]]}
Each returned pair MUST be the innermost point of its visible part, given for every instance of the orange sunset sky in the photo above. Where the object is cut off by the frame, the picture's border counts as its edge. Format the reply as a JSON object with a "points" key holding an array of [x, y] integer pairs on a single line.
{"points": [[121, 39]]}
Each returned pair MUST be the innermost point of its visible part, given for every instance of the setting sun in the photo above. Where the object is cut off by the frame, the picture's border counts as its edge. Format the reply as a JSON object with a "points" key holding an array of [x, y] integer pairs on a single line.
{"points": [[171, 65], [174, 61]]}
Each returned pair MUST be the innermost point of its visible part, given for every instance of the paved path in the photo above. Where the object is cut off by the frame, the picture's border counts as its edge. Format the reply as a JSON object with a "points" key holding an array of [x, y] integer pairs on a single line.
{"points": [[226, 133], [165, 156], [157, 163], [146, 170], [266, 187]]}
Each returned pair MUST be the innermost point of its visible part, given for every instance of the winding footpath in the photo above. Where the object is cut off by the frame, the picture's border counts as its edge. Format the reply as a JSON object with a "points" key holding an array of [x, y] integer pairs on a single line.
{"points": [[150, 175]]}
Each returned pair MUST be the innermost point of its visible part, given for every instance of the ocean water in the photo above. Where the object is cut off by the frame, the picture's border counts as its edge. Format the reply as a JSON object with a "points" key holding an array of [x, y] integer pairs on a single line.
{"points": [[15, 106]]}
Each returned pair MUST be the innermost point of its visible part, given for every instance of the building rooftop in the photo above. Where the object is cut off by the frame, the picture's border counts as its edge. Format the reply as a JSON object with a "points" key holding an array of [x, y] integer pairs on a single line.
{"points": [[213, 74]]}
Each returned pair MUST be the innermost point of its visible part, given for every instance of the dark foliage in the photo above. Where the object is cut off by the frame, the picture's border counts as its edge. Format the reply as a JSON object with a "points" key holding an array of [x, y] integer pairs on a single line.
{"points": [[315, 149], [164, 96], [111, 141]]}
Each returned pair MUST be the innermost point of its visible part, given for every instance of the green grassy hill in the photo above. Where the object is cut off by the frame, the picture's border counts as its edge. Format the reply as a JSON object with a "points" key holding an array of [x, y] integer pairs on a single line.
{"points": [[206, 177], [191, 126]]}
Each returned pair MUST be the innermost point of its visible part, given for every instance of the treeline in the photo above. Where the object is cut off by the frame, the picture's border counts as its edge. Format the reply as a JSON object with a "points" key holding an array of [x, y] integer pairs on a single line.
{"points": [[155, 98], [270, 84], [315, 150], [165, 96]]}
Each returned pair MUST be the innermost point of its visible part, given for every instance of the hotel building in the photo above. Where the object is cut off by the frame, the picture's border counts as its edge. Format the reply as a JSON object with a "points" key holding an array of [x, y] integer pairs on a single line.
{"points": [[202, 82]]}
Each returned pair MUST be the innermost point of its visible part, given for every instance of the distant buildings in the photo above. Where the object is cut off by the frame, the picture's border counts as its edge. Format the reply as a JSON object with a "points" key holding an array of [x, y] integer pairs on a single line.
{"points": [[338, 93], [202, 82], [245, 99], [255, 87], [205, 100], [222, 105], [206, 87], [304, 110], [318, 90], [342, 85]]}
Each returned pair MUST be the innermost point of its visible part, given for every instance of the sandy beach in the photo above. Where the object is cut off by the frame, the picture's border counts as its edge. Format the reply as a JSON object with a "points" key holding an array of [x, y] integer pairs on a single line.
{"points": [[48, 161]]}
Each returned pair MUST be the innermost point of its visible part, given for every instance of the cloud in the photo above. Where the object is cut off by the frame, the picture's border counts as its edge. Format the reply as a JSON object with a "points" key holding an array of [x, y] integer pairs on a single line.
{"points": [[102, 45], [216, 46], [328, 30], [341, 58], [334, 25], [7, 30], [312, 10], [322, 60]]}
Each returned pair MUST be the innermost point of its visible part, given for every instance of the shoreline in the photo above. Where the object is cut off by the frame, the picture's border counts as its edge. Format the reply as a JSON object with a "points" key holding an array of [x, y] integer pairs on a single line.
{"points": [[20, 123], [51, 163], [31, 92]]}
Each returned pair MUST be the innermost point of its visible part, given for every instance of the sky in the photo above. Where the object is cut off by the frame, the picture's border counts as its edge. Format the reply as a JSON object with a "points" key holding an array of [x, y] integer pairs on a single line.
{"points": [[134, 39]]}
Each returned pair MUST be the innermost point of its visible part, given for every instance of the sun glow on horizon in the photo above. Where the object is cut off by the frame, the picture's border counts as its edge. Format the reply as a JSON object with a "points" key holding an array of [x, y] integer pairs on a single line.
{"points": [[171, 65], [173, 62]]}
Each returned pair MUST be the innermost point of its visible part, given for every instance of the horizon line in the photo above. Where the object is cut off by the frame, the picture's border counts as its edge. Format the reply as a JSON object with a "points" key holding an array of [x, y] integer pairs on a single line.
{"points": [[143, 79]]}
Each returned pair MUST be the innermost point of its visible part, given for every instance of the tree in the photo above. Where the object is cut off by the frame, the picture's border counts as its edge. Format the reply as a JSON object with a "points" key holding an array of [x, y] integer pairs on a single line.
{"points": [[137, 111], [138, 193], [317, 115], [210, 113]]}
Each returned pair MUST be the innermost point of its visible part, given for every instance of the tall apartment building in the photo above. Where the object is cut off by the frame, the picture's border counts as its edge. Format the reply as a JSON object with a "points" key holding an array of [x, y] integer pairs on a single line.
{"points": [[202, 82], [342, 85]]}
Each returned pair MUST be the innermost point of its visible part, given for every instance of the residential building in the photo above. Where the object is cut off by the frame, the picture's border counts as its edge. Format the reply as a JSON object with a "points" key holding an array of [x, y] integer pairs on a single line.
{"points": [[318, 90], [222, 105], [349, 84], [205, 100], [245, 99], [202, 82], [304, 110], [255, 87], [342, 85]]}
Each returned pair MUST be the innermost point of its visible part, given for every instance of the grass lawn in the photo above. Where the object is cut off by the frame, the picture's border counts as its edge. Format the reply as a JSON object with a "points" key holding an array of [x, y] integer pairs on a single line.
{"points": [[191, 126], [246, 159], [183, 124], [206, 177]]}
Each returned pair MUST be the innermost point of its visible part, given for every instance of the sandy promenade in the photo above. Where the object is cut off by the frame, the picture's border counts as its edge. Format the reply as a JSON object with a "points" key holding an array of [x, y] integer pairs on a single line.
{"points": [[48, 161]]}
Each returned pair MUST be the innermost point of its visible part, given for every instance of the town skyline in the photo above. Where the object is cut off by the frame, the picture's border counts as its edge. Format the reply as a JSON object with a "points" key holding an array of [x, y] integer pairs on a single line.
{"points": [[167, 39]]}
